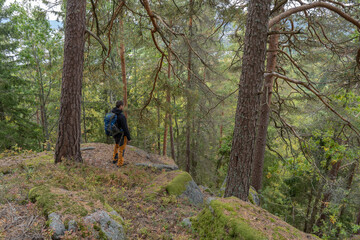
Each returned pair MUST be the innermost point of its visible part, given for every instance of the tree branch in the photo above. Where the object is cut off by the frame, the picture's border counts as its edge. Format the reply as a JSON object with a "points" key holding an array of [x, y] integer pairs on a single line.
{"points": [[310, 6]]}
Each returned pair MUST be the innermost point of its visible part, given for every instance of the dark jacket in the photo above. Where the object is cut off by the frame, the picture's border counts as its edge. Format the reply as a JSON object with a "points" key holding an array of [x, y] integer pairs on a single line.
{"points": [[121, 122]]}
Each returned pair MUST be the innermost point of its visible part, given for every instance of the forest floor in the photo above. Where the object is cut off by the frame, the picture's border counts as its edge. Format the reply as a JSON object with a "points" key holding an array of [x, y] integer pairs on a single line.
{"points": [[122, 188], [76, 190]]}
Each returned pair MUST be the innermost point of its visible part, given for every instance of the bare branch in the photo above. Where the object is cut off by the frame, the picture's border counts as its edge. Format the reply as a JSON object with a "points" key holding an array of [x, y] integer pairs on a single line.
{"points": [[97, 38]]}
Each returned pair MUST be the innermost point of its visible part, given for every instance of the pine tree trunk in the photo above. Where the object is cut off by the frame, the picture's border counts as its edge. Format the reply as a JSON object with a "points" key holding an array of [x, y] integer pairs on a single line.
{"points": [[123, 66], [166, 121], [260, 143], [158, 129], [69, 131], [84, 117], [167, 115], [172, 138], [251, 82], [188, 105], [42, 102]]}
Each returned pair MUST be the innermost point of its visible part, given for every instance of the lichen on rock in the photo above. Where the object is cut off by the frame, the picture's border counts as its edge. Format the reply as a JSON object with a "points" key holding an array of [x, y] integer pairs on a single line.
{"points": [[106, 225]]}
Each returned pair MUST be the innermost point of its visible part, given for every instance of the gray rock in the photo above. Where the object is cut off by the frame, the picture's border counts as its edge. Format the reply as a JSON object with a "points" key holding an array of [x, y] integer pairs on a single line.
{"points": [[254, 196], [87, 148], [206, 189], [193, 193], [112, 229], [72, 226], [116, 214], [222, 188], [209, 200], [158, 166], [56, 225], [186, 222]]}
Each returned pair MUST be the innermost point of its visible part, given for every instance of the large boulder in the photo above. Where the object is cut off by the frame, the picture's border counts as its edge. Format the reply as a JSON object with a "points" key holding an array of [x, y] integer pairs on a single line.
{"points": [[177, 183], [182, 185], [105, 225], [231, 218]]}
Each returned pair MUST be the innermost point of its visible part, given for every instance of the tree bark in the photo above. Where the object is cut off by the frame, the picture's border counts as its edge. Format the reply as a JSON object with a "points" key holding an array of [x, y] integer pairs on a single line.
{"points": [[69, 131], [188, 105], [166, 121], [251, 82], [260, 143], [167, 115], [123, 66]]}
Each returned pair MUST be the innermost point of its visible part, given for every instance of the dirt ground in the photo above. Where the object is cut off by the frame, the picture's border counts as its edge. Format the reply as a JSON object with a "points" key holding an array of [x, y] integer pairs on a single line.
{"points": [[101, 155]]}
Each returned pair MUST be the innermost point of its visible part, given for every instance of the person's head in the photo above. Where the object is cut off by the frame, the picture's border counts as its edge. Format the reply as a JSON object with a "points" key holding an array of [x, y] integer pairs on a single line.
{"points": [[120, 104]]}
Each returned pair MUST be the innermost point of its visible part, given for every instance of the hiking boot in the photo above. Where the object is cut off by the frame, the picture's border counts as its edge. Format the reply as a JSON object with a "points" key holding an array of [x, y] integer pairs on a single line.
{"points": [[116, 159], [125, 163]]}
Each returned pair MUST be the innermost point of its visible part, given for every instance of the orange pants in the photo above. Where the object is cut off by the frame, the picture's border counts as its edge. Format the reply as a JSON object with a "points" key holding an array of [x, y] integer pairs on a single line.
{"points": [[121, 153]]}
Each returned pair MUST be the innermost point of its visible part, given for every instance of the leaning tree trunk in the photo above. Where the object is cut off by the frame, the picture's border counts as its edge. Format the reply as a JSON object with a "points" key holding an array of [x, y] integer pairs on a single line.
{"points": [[69, 131], [251, 82], [260, 143]]}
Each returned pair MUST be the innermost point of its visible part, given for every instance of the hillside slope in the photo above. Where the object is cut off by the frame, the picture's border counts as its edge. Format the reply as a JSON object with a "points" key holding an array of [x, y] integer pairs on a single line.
{"points": [[98, 200]]}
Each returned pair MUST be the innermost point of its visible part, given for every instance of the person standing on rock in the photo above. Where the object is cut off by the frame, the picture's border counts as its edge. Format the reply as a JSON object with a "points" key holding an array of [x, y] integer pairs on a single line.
{"points": [[121, 139]]}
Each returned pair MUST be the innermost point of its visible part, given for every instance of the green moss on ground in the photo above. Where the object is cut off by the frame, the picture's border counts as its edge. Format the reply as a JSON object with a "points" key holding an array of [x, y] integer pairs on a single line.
{"points": [[44, 199], [178, 185], [225, 222], [51, 202]]}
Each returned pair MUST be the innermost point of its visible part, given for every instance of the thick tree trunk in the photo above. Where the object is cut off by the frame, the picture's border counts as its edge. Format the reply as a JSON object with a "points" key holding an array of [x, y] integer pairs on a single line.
{"points": [[123, 66], [69, 131], [251, 82], [188, 104], [260, 143]]}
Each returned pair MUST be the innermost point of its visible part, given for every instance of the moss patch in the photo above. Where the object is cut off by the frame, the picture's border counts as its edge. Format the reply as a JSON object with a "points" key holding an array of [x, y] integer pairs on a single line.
{"points": [[178, 185], [57, 200], [225, 222], [232, 218], [44, 198]]}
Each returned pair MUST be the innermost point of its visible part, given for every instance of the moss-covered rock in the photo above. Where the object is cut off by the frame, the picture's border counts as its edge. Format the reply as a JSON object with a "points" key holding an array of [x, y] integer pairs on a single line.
{"points": [[254, 196], [225, 222], [231, 218], [178, 184]]}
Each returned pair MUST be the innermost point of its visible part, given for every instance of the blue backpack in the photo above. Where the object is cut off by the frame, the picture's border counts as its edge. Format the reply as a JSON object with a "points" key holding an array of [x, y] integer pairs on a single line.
{"points": [[110, 124]]}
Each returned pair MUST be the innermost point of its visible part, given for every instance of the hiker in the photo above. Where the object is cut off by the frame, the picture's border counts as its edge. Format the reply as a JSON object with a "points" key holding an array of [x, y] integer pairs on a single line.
{"points": [[121, 139]]}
